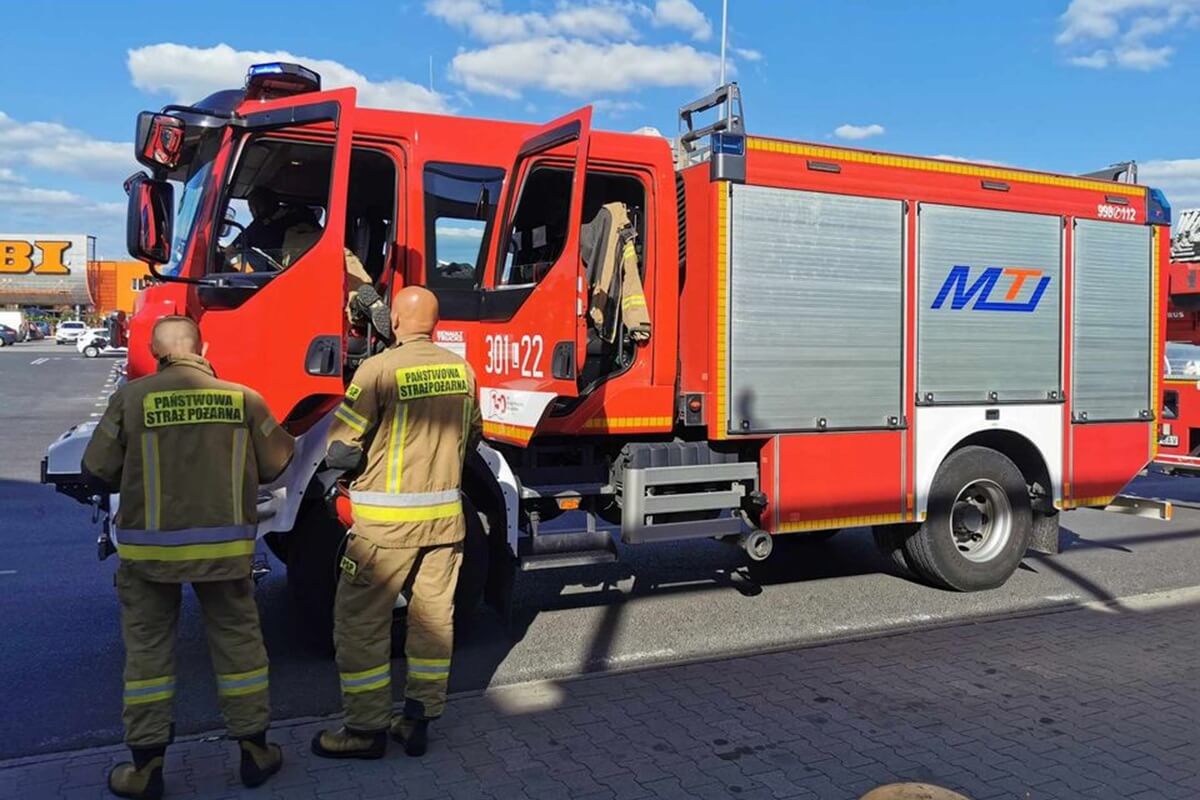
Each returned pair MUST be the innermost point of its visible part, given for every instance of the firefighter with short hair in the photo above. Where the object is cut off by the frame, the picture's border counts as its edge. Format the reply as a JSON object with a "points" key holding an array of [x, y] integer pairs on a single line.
{"points": [[187, 453], [405, 426]]}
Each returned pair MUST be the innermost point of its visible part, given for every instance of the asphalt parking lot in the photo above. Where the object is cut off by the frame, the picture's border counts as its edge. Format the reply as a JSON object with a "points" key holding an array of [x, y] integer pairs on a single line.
{"points": [[665, 603]]}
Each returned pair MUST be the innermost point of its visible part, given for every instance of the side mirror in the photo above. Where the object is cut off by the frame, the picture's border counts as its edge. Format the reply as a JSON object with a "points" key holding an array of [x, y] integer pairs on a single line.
{"points": [[159, 142], [149, 219]]}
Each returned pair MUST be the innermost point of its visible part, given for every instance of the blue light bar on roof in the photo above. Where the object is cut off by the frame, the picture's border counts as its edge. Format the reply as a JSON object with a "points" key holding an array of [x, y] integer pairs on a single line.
{"points": [[1158, 209], [280, 79]]}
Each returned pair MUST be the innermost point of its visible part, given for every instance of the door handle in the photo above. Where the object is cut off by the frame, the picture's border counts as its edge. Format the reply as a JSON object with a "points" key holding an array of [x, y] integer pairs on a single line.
{"points": [[324, 356], [562, 362]]}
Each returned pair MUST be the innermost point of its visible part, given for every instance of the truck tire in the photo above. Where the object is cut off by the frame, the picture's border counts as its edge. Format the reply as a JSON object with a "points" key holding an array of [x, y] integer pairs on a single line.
{"points": [[473, 573], [978, 524], [890, 539], [314, 547], [91, 351]]}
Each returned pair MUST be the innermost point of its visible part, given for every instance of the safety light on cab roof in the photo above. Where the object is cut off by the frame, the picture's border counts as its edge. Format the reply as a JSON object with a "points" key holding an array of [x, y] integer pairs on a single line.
{"points": [[279, 79]]}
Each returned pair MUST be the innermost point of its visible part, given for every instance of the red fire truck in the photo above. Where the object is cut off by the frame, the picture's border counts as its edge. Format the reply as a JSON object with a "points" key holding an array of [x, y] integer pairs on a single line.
{"points": [[948, 352], [1179, 429]]}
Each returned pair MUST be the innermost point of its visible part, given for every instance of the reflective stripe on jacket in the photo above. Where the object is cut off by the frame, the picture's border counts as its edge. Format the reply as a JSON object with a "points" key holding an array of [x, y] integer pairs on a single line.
{"points": [[411, 409], [187, 453]]}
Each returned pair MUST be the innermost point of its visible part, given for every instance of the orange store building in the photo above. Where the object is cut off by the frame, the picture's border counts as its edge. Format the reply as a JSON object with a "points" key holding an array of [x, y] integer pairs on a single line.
{"points": [[115, 285]]}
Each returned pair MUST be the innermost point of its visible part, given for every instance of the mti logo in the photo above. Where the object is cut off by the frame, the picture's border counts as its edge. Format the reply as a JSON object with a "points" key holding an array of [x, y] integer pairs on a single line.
{"points": [[959, 282]]}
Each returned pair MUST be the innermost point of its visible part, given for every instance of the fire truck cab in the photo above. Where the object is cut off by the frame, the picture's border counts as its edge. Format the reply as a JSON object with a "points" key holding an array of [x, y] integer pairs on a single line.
{"points": [[732, 337], [1179, 429]]}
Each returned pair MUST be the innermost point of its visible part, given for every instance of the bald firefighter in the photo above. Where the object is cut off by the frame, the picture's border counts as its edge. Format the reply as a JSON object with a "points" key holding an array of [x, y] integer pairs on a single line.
{"points": [[405, 426], [187, 452]]}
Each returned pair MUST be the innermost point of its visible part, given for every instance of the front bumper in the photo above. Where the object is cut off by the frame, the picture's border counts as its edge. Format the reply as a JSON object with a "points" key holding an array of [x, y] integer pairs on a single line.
{"points": [[62, 467]]}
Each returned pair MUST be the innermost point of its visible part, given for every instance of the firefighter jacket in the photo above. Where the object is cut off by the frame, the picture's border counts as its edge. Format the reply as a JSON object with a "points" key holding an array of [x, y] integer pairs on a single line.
{"points": [[617, 293], [410, 412], [187, 452]]}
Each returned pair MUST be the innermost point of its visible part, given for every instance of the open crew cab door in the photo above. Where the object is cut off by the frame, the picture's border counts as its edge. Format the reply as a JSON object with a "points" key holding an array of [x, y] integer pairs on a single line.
{"points": [[531, 331], [272, 289]]}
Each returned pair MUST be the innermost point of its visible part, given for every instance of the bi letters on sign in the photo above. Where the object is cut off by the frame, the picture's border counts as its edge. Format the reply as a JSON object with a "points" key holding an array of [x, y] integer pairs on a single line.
{"points": [[17, 257]]}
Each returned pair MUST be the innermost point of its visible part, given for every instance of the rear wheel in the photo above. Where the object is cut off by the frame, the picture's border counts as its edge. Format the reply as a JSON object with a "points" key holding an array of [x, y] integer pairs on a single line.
{"points": [[91, 351], [978, 524]]}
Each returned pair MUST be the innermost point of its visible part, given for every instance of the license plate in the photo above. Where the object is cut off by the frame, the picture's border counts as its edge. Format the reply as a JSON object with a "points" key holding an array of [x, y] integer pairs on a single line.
{"points": [[1168, 441]]}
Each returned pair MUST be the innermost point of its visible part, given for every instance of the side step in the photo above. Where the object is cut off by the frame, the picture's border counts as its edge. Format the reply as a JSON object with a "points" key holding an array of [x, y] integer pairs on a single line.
{"points": [[1141, 507], [586, 558], [560, 544]]}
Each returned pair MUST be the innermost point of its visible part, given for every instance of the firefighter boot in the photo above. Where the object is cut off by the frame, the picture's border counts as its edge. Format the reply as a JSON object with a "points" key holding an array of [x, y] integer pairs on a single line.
{"points": [[348, 743], [260, 760], [370, 305], [412, 733], [143, 778]]}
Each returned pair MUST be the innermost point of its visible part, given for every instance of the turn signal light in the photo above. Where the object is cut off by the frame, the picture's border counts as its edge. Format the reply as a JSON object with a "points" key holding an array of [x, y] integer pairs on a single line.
{"points": [[569, 503]]}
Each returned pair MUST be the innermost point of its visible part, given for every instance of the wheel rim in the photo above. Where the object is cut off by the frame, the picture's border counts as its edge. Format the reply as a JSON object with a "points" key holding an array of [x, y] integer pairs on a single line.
{"points": [[981, 521]]}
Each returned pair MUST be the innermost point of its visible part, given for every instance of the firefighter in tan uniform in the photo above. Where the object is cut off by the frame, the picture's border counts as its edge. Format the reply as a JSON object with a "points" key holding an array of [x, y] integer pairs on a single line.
{"points": [[187, 453], [405, 426]]}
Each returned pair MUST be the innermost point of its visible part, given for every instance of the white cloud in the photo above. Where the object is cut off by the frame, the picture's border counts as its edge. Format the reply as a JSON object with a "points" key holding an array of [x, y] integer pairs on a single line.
{"points": [[457, 232], [1143, 58], [856, 132], [487, 20], [945, 157], [1178, 178], [578, 68], [682, 14], [747, 54], [1096, 60], [1124, 29], [57, 148], [188, 74], [616, 108], [600, 20], [580, 47], [8, 176], [38, 210]]}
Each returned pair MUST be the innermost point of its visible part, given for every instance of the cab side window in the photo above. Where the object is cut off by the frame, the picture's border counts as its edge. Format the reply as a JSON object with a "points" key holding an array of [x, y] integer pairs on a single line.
{"points": [[275, 205], [460, 209], [539, 229]]}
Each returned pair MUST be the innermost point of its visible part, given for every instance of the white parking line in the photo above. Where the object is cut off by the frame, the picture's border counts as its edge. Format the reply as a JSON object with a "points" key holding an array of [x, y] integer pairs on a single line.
{"points": [[38, 361]]}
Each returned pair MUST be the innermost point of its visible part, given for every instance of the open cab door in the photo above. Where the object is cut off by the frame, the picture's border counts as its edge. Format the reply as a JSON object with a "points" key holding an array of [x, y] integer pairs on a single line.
{"points": [[270, 254], [531, 331]]}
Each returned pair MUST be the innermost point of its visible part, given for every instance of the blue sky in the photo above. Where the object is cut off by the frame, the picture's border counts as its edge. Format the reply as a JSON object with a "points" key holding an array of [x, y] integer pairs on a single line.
{"points": [[1062, 85]]}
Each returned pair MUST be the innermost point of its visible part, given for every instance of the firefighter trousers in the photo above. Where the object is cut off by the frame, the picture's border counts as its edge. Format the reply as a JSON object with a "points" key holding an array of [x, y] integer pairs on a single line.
{"points": [[149, 617], [371, 580]]}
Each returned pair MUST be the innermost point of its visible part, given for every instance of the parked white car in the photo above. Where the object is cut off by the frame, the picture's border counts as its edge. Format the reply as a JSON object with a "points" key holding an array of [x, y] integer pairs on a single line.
{"points": [[92, 336], [95, 343], [69, 331]]}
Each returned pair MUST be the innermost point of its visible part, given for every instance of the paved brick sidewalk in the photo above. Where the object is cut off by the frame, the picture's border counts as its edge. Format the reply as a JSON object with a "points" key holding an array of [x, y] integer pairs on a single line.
{"points": [[1089, 703]]}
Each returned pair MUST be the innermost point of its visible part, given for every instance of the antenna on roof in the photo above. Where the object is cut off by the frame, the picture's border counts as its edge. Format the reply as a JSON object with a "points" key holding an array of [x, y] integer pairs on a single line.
{"points": [[724, 36]]}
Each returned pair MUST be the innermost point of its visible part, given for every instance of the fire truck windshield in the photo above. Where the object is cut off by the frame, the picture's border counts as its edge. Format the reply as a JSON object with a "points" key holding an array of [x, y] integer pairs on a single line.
{"points": [[185, 216]]}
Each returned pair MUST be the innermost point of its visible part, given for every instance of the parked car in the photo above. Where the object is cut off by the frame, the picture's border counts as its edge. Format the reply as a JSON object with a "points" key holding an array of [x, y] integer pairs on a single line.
{"points": [[69, 331], [33, 333], [7, 336], [94, 344]]}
